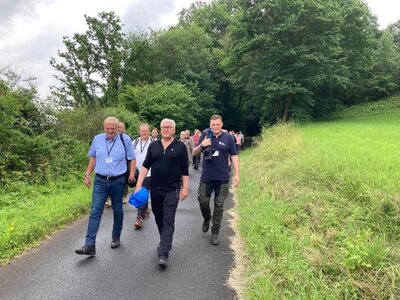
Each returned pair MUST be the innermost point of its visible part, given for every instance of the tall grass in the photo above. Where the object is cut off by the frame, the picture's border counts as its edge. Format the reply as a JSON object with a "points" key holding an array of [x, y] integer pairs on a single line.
{"points": [[28, 215], [319, 209]]}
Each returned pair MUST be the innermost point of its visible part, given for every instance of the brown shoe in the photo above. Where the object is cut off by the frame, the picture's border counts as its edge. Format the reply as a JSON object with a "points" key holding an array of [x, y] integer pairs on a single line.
{"points": [[147, 214], [138, 223]]}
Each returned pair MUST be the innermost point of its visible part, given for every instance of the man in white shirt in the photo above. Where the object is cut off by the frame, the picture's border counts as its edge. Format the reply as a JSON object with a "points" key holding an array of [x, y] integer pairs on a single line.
{"points": [[140, 146]]}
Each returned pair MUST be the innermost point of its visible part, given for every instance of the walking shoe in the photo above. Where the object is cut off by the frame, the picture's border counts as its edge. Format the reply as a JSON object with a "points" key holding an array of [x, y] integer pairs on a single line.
{"points": [[139, 222], [124, 200], [162, 261], [206, 226], [108, 203], [115, 243], [214, 239], [86, 250], [146, 214]]}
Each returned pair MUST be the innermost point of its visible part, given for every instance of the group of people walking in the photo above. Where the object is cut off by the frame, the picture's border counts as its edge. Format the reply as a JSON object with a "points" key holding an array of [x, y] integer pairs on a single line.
{"points": [[164, 170]]}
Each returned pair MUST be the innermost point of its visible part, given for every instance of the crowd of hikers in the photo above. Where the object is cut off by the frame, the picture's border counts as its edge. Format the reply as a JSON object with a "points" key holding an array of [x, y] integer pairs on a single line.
{"points": [[157, 166]]}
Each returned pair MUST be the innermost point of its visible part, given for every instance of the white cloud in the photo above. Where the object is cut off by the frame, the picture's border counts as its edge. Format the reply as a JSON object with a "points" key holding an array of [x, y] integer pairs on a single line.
{"points": [[31, 31], [387, 11]]}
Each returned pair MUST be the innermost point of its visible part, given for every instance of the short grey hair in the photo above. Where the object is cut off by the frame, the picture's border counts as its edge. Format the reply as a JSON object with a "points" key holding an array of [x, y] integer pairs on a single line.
{"points": [[168, 120], [111, 119]]}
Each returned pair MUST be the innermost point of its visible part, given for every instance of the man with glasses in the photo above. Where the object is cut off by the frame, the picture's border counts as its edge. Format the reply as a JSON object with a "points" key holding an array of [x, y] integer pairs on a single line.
{"points": [[168, 161], [108, 156]]}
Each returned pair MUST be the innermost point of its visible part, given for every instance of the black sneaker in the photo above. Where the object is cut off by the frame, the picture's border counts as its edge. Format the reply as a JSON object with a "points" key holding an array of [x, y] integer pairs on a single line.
{"points": [[87, 250], [162, 261], [115, 243], [214, 239], [205, 226]]}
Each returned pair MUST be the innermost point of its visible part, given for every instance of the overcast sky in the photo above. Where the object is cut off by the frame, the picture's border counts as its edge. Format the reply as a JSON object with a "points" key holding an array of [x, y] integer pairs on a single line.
{"points": [[31, 31]]}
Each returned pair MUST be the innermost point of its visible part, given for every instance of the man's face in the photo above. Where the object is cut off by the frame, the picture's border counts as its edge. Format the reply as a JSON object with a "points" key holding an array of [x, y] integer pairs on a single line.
{"points": [[183, 135], [111, 129], [144, 132], [216, 126], [167, 129], [154, 133], [121, 127]]}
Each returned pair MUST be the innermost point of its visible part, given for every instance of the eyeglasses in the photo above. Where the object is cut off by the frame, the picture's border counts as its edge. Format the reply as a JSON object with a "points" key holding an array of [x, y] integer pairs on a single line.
{"points": [[166, 127]]}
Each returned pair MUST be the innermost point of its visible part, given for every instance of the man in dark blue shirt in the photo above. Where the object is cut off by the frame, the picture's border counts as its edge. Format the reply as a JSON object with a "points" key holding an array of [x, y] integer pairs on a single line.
{"points": [[168, 161], [218, 148]]}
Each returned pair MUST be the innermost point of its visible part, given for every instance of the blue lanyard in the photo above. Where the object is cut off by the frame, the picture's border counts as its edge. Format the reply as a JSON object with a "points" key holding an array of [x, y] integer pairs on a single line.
{"points": [[108, 152]]}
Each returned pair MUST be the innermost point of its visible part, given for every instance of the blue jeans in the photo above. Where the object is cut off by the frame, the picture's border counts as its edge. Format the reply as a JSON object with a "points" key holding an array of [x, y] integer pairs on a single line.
{"points": [[103, 188]]}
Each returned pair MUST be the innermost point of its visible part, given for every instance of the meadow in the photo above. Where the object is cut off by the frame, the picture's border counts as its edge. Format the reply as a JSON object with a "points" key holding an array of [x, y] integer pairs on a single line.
{"points": [[319, 208]]}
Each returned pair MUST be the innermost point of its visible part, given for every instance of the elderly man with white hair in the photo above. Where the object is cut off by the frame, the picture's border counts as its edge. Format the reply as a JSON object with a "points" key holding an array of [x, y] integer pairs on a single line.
{"points": [[108, 154], [168, 161]]}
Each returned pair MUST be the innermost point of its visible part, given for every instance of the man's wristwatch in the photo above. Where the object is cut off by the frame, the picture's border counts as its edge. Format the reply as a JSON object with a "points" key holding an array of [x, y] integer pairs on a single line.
{"points": [[201, 146], [86, 176]]}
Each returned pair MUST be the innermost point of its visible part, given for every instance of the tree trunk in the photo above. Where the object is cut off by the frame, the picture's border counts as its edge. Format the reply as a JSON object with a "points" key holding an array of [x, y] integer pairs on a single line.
{"points": [[287, 107]]}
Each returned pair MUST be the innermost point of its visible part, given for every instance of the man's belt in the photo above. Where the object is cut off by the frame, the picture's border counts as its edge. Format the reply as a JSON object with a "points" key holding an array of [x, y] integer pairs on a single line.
{"points": [[109, 178]]}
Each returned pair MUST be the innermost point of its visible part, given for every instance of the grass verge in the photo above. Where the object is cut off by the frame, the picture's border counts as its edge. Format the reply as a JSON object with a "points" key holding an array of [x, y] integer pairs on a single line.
{"points": [[319, 211], [27, 217]]}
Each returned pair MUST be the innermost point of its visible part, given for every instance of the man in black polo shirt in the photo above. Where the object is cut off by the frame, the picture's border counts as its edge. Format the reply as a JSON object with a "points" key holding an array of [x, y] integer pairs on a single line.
{"points": [[218, 147], [169, 165]]}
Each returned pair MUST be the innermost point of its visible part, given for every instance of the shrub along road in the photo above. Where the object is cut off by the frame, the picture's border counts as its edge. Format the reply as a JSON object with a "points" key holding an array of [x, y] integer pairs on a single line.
{"points": [[196, 269]]}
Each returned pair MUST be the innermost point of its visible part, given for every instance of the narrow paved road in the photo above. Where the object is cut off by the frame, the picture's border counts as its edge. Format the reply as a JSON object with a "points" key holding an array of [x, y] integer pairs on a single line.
{"points": [[196, 269]]}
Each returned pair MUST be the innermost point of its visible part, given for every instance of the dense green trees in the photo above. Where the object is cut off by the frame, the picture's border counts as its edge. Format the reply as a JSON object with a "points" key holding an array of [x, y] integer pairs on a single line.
{"points": [[254, 62], [91, 66]]}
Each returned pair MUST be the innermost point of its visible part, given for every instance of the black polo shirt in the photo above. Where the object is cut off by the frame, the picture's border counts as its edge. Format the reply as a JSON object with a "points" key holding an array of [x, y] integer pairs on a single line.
{"points": [[167, 167], [217, 168]]}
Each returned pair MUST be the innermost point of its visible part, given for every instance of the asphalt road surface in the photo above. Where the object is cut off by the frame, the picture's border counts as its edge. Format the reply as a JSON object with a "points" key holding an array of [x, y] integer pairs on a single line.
{"points": [[196, 269]]}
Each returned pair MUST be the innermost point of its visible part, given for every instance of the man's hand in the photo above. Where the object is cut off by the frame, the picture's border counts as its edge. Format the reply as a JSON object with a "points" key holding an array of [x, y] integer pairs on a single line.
{"points": [[87, 181], [137, 188], [183, 193], [131, 178], [206, 142], [236, 180]]}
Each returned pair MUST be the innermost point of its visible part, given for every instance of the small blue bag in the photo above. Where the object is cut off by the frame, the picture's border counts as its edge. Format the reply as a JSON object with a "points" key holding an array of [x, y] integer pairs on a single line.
{"points": [[140, 198]]}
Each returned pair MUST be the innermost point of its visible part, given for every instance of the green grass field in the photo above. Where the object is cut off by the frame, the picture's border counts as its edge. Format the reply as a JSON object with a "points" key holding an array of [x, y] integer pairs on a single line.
{"points": [[30, 213], [319, 208]]}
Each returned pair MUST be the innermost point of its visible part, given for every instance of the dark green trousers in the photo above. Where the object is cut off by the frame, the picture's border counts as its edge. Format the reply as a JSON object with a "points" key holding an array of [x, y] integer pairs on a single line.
{"points": [[221, 191]]}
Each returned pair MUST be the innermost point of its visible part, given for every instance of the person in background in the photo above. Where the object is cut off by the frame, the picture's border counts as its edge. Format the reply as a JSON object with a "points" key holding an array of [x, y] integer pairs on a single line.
{"points": [[140, 146], [185, 138], [215, 174], [195, 139], [108, 159], [154, 134], [168, 161]]}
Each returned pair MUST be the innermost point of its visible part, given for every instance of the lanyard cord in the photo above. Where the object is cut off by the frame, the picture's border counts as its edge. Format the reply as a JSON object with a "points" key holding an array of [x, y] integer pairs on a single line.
{"points": [[108, 152], [142, 148]]}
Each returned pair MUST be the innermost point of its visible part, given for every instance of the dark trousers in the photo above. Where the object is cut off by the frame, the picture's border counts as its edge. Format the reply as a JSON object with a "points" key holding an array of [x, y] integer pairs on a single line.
{"points": [[164, 205], [142, 210], [196, 161], [221, 191]]}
